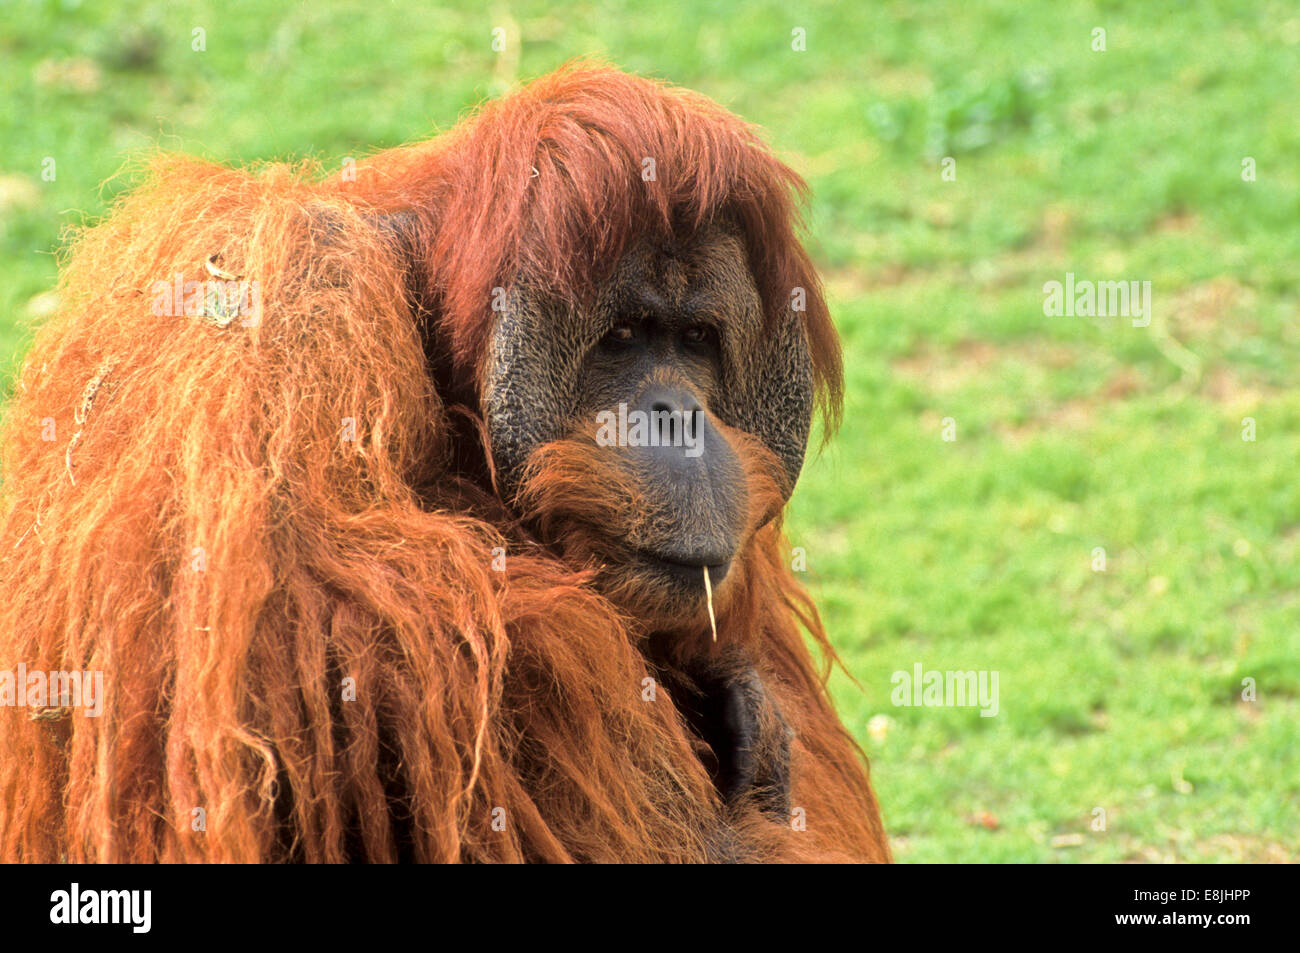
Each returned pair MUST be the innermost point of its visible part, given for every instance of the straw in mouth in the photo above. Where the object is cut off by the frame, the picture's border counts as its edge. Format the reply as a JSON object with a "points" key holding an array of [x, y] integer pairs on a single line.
{"points": [[708, 594]]}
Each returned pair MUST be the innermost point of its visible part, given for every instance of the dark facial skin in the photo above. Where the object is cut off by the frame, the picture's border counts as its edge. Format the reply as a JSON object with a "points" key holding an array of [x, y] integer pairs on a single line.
{"points": [[677, 331], [662, 357]]}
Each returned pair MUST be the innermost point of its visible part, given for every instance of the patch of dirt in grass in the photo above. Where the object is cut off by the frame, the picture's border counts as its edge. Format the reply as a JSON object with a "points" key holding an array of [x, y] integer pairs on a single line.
{"points": [[1226, 388], [945, 370], [853, 282], [1199, 310], [1221, 848], [1054, 229], [1071, 416], [1179, 221]]}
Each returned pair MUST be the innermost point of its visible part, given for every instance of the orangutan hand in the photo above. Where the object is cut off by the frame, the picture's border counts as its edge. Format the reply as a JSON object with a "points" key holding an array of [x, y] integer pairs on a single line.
{"points": [[735, 714]]}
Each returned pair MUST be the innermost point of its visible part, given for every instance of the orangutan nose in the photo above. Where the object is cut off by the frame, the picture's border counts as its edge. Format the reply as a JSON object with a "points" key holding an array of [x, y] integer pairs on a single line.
{"points": [[676, 424]]}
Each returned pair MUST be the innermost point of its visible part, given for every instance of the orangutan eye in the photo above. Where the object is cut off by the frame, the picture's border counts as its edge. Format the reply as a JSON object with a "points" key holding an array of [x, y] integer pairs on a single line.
{"points": [[620, 334], [698, 334]]}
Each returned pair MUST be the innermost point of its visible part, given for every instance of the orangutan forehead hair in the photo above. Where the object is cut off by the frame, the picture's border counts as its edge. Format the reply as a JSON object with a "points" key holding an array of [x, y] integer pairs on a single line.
{"points": [[705, 273], [550, 187]]}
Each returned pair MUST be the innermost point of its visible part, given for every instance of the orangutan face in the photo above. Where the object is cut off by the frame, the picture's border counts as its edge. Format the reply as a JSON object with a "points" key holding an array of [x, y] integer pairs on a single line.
{"points": [[653, 432]]}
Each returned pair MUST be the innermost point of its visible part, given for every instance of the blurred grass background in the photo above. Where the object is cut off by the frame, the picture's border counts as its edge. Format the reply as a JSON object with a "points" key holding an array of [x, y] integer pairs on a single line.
{"points": [[1119, 689]]}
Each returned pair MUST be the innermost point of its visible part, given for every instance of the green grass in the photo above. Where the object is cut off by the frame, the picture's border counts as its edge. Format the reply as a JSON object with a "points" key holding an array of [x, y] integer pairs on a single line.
{"points": [[1119, 689]]}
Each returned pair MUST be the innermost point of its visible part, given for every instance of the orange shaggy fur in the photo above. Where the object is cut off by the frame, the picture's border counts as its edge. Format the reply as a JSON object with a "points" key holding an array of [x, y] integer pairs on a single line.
{"points": [[199, 529]]}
